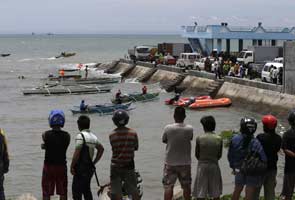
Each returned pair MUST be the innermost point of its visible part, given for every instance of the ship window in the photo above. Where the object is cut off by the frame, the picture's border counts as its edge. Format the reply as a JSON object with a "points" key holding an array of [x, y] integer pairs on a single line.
{"points": [[273, 43]]}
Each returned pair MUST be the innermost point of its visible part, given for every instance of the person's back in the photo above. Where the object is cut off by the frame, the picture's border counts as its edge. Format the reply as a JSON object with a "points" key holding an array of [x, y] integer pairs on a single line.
{"points": [[271, 143], [4, 161], [208, 181], [124, 142], [56, 142], [177, 164], [210, 146], [178, 149]]}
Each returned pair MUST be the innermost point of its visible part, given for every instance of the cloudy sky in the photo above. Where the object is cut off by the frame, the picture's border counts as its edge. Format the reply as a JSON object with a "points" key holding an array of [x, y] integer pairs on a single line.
{"points": [[137, 16]]}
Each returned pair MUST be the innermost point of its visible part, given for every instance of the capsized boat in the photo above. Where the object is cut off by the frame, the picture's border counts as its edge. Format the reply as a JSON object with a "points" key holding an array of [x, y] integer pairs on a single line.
{"points": [[137, 97], [185, 101], [102, 109], [209, 103]]}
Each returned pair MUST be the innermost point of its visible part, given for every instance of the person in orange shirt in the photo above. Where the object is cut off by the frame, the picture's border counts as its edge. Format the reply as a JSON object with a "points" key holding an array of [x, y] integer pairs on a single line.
{"points": [[62, 72]]}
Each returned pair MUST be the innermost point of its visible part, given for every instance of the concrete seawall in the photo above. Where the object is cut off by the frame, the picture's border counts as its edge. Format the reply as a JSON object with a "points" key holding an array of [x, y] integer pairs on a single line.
{"points": [[247, 94]]}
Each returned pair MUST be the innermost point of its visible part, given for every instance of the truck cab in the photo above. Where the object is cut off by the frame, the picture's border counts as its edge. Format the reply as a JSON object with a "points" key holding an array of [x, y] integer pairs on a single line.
{"points": [[187, 60], [246, 57], [141, 53]]}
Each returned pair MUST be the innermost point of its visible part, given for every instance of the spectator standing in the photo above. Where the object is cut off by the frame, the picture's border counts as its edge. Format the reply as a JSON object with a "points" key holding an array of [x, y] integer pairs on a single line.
{"points": [[208, 182], [4, 162], [177, 137], [83, 165], [56, 142], [271, 143], [288, 145], [280, 76], [124, 142], [240, 145]]}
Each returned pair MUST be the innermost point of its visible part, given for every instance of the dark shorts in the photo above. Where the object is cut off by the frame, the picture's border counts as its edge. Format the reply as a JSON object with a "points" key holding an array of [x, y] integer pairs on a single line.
{"points": [[128, 176], [54, 177], [288, 185], [252, 181], [171, 173]]}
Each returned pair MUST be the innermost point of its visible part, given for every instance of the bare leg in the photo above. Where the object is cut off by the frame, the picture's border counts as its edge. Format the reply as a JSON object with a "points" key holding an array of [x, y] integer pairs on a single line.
{"points": [[168, 194], [187, 193], [249, 192], [237, 192]]}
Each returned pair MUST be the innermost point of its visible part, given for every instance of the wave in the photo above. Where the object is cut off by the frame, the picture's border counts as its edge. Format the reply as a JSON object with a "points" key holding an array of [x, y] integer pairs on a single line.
{"points": [[34, 59]]}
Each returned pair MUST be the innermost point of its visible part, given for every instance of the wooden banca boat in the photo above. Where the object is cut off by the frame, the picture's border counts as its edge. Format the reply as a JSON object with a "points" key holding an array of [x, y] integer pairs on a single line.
{"points": [[5, 54], [185, 101], [209, 103], [135, 97], [65, 55], [103, 109]]}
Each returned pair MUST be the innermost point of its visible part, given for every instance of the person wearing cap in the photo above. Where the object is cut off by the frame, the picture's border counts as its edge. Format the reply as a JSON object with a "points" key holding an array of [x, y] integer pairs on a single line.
{"points": [[124, 143], [288, 146], [271, 143], [56, 142]]}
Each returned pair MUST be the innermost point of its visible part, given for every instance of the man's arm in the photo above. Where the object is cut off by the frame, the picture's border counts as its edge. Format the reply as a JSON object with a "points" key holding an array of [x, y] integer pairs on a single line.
{"points": [[75, 160], [220, 150], [289, 153], [99, 152], [164, 137]]}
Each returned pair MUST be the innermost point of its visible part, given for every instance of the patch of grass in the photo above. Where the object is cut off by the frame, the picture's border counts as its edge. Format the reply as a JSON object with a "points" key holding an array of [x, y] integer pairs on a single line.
{"points": [[226, 136]]}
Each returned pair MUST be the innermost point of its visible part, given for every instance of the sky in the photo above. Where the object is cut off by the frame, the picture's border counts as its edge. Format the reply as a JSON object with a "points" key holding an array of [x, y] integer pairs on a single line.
{"points": [[138, 16]]}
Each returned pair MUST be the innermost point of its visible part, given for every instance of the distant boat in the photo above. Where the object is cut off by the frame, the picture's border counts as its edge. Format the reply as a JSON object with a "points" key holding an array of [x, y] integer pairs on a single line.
{"points": [[65, 55], [50, 34], [5, 54]]}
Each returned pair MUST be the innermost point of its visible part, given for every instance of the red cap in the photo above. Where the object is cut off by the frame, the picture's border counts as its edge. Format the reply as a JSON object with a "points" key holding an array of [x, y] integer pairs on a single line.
{"points": [[269, 121]]}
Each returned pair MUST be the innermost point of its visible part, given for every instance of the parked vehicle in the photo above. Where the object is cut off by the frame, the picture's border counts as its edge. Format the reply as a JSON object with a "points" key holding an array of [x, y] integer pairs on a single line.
{"points": [[186, 60], [259, 54], [141, 53], [174, 49], [269, 70], [279, 59]]}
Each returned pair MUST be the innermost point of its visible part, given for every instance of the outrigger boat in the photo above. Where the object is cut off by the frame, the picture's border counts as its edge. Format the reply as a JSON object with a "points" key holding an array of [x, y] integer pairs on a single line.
{"points": [[101, 109], [79, 89], [135, 97]]}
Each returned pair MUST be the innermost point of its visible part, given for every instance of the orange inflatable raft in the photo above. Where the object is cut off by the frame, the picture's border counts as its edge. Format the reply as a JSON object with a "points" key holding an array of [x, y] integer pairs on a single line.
{"points": [[185, 100], [209, 103]]}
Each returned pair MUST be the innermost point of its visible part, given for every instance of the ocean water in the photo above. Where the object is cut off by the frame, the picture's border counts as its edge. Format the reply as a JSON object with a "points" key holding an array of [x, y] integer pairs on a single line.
{"points": [[25, 117]]}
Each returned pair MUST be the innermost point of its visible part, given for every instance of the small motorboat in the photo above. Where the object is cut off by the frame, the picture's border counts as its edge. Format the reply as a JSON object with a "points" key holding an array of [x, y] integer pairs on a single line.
{"points": [[5, 54], [185, 101], [209, 103], [102, 109], [65, 55], [137, 97]]}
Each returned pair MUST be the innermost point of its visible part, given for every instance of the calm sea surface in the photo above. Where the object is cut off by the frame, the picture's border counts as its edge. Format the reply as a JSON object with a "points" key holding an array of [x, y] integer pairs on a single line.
{"points": [[25, 117]]}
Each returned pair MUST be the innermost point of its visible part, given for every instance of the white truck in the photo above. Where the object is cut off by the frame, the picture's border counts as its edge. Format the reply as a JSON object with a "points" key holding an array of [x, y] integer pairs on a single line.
{"points": [[141, 53], [259, 54], [187, 60]]}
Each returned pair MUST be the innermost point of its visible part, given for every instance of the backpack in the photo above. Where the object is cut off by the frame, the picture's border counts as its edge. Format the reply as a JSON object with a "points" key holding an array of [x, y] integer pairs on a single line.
{"points": [[252, 165], [84, 165]]}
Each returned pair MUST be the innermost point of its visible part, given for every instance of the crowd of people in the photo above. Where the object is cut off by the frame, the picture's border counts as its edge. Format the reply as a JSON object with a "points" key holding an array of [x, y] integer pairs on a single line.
{"points": [[253, 160]]}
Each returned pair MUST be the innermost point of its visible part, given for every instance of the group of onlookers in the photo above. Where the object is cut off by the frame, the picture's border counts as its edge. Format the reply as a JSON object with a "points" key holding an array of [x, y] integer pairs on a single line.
{"points": [[253, 160]]}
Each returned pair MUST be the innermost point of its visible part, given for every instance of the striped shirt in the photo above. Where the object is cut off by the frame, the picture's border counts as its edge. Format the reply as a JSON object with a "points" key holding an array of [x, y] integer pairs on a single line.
{"points": [[124, 142]]}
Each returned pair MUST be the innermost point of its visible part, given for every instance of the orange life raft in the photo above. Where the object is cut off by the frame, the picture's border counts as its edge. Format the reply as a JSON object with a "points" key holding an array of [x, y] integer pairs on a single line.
{"points": [[208, 103]]}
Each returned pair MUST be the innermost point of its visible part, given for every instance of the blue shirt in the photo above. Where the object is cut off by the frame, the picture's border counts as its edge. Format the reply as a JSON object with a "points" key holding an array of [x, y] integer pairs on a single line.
{"points": [[82, 106], [237, 153]]}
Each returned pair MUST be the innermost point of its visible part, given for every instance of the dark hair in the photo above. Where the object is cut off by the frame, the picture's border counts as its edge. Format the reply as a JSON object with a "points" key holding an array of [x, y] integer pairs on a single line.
{"points": [[179, 114], [208, 123], [83, 122]]}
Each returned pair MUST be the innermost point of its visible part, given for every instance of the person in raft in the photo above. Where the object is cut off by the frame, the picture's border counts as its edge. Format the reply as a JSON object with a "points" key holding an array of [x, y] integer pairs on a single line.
{"points": [[144, 90], [124, 143], [83, 106], [177, 164], [56, 142], [118, 97], [175, 98]]}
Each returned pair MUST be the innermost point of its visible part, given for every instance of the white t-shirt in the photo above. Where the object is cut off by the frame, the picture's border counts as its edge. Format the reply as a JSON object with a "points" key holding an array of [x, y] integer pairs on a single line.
{"points": [[91, 141]]}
